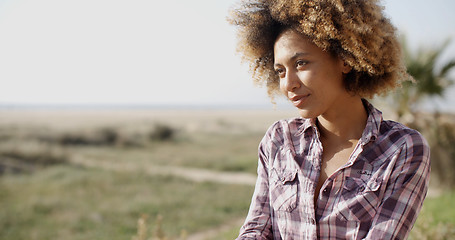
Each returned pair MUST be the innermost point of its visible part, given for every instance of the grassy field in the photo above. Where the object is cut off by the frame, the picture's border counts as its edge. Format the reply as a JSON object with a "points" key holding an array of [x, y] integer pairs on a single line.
{"points": [[74, 203], [48, 194], [93, 174]]}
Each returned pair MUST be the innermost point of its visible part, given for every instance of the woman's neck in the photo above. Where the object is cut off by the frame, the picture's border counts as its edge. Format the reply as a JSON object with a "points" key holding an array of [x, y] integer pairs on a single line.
{"points": [[346, 122]]}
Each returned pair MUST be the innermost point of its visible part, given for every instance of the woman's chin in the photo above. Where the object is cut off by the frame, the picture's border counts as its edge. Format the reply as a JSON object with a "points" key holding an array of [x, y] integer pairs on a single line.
{"points": [[306, 113]]}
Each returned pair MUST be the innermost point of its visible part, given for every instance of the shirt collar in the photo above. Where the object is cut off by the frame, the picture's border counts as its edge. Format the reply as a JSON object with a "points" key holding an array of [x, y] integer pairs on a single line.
{"points": [[307, 124], [370, 133]]}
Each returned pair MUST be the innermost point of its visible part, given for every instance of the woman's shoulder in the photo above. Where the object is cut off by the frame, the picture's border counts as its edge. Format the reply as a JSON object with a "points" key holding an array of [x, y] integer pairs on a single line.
{"points": [[283, 130], [282, 136], [400, 134], [289, 125]]}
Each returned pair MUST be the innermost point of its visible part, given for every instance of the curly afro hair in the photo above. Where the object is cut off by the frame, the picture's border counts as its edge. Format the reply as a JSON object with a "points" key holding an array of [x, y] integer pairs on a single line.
{"points": [[354, 30]]}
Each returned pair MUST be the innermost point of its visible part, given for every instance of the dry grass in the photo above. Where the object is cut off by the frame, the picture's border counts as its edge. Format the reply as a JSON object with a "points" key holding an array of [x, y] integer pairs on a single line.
{"points": [[64, 200]]}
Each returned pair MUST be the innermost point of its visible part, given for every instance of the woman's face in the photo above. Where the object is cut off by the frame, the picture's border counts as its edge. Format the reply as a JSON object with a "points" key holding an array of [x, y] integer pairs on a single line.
{"points": [[310, 78]]}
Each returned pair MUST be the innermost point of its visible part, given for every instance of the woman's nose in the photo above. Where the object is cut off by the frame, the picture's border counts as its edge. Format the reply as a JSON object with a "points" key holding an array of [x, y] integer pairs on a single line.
{"points": [[291, 82]]}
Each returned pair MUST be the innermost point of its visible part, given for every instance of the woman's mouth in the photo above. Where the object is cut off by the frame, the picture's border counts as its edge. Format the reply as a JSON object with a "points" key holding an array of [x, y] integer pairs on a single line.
{"points": [[299, 100]]}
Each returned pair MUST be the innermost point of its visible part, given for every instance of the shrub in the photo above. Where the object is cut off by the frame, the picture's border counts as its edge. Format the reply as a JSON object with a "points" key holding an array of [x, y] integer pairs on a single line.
{"points": [[439, 131], [162, 132], [158, 233], [104, 136], [27, 157]]}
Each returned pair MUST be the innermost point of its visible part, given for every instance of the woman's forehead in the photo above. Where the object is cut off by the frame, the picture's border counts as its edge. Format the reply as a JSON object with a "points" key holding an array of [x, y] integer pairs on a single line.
{"points": [[295, 42]]}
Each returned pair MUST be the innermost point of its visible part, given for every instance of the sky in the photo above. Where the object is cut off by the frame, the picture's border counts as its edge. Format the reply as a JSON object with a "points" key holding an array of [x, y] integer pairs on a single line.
{"points": [[146, 52]]}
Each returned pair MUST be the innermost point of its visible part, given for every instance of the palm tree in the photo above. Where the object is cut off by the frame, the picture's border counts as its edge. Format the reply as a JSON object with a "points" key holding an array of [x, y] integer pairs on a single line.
{"points": [[430, 80]]}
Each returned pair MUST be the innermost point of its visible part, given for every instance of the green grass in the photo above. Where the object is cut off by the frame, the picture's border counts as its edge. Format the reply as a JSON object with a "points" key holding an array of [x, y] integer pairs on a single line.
{"points": [[72, 203], [67, 201], [442, 208], [437, 218], [228, 234]]}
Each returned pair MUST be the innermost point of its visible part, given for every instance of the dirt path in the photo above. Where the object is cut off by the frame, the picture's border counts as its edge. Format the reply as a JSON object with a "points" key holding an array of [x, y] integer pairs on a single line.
{"points": [[192, 174]]}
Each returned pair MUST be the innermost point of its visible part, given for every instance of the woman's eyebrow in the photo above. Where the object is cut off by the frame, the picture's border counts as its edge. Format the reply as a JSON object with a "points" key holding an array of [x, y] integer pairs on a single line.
{"points": [[299, 54]]}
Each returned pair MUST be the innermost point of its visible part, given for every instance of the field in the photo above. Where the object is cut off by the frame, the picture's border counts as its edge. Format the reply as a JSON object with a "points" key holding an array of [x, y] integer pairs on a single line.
{"points": [[118, 174]]}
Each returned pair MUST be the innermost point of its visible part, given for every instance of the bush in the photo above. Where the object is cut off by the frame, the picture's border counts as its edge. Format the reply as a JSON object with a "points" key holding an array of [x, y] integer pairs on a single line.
{"points": [[27, 157], [440, 134], [103, 136], [162, 132]]}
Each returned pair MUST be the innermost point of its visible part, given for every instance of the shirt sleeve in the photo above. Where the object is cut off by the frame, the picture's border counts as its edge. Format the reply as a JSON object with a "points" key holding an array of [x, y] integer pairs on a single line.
{"points": [[406, 190], [258, 222]]}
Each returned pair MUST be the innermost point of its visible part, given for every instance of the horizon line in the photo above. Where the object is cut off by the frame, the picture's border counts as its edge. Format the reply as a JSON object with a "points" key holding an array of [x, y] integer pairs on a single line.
{"points": [[139, 106]]}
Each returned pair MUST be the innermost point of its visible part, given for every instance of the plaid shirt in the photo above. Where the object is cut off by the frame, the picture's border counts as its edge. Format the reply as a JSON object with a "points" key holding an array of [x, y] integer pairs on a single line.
{"points": [[377, 194]]}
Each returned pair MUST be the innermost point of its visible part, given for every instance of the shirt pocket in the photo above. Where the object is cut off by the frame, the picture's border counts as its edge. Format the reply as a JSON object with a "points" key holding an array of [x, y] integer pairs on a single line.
{"points": [[283, 190], [359, 199]]}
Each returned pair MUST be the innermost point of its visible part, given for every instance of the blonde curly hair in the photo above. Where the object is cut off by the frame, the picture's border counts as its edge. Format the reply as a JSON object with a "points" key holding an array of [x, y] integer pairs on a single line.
{"points": [[354, 30]]}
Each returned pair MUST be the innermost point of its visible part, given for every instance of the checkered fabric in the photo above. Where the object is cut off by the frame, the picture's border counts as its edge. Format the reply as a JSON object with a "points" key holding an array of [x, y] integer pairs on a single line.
{"points": [[377, 194]]}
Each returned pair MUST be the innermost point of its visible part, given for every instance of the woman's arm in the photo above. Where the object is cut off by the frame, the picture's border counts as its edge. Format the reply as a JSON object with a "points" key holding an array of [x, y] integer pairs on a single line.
{"points": [[258, 222], [406, 190]]}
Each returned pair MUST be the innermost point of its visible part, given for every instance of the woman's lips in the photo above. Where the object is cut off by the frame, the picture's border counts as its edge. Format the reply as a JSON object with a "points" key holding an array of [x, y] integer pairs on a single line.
{"points": [[298, 100]]}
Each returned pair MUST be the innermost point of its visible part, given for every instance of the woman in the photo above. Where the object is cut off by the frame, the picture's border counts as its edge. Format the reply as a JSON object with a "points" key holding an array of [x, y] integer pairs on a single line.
{"points": [[339, 171]]}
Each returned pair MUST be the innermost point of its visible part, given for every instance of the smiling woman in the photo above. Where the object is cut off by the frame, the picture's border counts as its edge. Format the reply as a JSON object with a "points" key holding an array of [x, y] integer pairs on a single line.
{"points": [[311, 78], [374, 53], [338, 171]]}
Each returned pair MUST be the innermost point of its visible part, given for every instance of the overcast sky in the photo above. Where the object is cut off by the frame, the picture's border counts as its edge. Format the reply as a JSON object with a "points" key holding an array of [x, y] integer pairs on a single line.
{"points": [[175, 52]]}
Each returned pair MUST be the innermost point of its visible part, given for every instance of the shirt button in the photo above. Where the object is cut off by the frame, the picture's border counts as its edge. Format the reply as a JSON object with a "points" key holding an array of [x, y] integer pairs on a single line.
{"points": [[326, 191]]}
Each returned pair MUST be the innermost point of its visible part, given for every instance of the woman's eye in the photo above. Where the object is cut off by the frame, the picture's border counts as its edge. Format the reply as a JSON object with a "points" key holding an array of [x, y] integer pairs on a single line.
{"points": [[279, 72], [300, 63]]}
